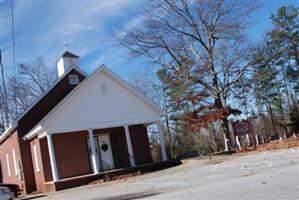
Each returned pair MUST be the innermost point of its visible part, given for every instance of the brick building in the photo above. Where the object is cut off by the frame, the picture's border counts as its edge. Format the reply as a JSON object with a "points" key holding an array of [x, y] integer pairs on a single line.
{"points": [[83, 125]]}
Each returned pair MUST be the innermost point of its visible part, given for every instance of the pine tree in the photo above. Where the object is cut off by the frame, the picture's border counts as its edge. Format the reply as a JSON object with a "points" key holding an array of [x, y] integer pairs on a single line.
{"points": [[265, 83], [285, 39]]}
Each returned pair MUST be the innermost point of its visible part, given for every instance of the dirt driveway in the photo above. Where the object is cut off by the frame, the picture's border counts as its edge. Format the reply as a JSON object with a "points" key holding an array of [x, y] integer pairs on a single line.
{"points": [[260, 175]]}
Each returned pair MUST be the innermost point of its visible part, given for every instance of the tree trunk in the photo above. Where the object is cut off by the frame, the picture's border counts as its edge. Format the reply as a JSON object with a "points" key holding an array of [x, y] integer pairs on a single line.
{"points": [[285, 127], [265, 134], [211, 143], [270, 111], [286, 86], [225, 127]]}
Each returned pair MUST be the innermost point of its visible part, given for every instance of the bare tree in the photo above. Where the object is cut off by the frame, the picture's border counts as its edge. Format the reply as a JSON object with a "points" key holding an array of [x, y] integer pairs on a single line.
{"points": [[30, 83], [200, 41], [4, 102], [37, 76], [145, 81]]}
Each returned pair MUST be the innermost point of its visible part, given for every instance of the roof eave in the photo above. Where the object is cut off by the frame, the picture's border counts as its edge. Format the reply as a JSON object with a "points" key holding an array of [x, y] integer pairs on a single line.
{"points": [[16, 121], [31, 134], [34, 132], [49, 89], [8, 131]]}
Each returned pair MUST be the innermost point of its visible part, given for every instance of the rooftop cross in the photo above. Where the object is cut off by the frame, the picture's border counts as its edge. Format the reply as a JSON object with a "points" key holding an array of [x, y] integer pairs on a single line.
{"points": [[65, 45]]}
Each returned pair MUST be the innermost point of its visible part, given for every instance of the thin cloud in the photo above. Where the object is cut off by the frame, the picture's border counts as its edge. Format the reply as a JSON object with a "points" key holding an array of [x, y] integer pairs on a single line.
{"points": [[43, 26], [130, 25]]}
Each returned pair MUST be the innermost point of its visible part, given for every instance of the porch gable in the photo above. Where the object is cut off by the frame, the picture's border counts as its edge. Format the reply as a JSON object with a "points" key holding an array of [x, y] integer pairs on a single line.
{"points": [[103, 100]]}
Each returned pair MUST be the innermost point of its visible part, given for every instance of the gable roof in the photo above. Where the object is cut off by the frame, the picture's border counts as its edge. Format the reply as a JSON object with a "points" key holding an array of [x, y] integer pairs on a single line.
{"points": [[116, 78], [14, 124], [69, 54]]}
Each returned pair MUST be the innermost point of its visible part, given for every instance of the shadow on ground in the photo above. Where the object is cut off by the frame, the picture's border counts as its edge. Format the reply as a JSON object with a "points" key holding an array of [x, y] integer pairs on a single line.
{"points": [[132, 196], [32, 197]]}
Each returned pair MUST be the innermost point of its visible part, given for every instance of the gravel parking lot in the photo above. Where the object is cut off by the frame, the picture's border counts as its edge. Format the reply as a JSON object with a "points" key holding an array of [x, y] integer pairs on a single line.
{"points": [[260, 175]]}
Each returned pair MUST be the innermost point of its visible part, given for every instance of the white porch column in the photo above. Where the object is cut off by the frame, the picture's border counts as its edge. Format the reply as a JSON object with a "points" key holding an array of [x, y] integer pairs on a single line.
{"points": [[93, 152], [161, 139], [238, 142], [225, 142], [52, 158], [256, 139], [248, 140], [130, 148], [263, 140]]}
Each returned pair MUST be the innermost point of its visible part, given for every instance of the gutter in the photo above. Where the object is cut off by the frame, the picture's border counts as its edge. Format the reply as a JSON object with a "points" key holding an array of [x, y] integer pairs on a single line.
{"points": [[36, 131], [8, 131]]}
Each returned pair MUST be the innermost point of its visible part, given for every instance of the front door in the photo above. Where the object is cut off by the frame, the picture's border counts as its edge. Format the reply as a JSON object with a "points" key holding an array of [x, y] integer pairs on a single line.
{"points": [[106, 152]]}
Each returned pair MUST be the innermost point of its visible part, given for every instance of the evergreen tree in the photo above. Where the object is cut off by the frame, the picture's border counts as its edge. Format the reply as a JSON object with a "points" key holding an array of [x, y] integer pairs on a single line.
{"points": [[285, 39], [265, 83]]}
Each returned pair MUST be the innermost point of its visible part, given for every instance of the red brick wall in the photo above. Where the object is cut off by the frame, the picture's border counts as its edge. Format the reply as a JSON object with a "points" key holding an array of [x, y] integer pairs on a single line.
{"points": [[6, 147], [28, 121], [45, 173], [38, 175], [140, 144], [118, 145], [27, 165], [71, 153], [46, 159]]}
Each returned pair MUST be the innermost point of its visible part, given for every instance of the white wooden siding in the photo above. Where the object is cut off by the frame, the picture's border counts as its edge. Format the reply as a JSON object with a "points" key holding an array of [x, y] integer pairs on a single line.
{"points": [[101, 101]]}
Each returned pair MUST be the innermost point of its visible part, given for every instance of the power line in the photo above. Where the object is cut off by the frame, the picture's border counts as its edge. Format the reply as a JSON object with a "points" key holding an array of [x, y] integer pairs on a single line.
{"points": [[1, 22], [14, 55], [13, 37]]}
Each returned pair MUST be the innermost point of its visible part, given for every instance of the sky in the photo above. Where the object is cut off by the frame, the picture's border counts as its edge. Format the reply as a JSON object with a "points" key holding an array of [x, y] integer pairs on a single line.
{"points": [[43, 27]]}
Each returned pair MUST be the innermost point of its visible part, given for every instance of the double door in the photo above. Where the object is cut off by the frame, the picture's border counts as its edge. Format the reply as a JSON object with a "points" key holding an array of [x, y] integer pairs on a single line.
{"points": [[103, 152]]}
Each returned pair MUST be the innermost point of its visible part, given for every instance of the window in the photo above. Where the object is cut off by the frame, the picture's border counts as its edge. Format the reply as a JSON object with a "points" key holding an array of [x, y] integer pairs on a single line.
{"points": [[15, 162], [35, 158], [7, 163], [73, 79]]}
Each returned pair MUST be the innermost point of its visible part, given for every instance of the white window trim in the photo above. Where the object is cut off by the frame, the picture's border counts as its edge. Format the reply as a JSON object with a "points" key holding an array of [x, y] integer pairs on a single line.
{"points": [[7, 164], [37, 169], [15, 162]]}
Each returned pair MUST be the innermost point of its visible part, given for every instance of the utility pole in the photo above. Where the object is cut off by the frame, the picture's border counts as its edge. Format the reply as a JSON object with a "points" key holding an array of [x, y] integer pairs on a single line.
{"points": [[166, 118]]}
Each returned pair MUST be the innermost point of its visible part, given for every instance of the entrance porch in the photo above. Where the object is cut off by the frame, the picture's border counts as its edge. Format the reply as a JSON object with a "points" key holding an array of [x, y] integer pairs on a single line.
{"points": [[79, 157]]}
